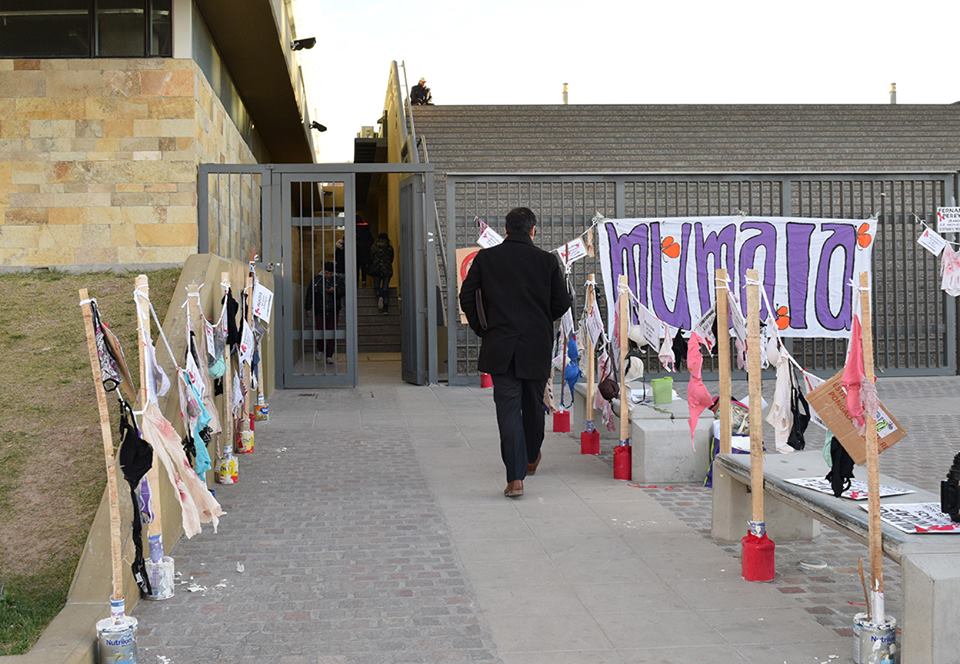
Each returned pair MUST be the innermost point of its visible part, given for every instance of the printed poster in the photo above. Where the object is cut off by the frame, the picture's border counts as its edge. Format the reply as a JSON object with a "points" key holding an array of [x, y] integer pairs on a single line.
{"points": [[857, 490], [918, 518]]}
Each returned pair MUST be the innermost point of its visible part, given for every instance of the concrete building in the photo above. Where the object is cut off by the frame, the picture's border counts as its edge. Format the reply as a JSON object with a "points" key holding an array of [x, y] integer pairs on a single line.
{"points": [[107, 108]]}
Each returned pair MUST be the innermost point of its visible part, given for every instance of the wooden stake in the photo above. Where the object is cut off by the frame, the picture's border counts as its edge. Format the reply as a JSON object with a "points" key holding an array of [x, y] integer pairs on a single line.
{"points": [[106, 436], [247, 409], [623, 300], [756, 400], [591, 295], [227, 424], [875, 528], [142, 286], [723, 358]]}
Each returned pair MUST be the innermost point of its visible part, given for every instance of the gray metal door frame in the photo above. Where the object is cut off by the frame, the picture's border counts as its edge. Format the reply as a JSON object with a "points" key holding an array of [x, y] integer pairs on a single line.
{"points": [[220, 230], [412, 282], [567, 201]]}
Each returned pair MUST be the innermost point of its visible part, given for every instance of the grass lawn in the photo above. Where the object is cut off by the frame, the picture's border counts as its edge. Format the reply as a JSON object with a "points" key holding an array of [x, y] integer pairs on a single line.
{"points": [[51, 458]]}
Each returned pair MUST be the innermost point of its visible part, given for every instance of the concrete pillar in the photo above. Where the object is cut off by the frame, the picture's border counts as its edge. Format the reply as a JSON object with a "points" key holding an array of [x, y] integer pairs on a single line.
{"points": [[931, 600]]}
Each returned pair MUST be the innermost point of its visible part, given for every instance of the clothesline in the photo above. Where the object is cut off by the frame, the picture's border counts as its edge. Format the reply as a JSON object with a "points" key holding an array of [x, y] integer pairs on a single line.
{"points": [[930, 228]]}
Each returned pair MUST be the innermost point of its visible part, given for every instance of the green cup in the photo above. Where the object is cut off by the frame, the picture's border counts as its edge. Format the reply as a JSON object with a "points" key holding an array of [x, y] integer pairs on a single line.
{"points": [[662, 390]]}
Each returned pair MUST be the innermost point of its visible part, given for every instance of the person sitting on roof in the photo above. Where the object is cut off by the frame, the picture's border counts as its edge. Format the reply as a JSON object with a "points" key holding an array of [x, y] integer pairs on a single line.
{"points": [[420, 95]]}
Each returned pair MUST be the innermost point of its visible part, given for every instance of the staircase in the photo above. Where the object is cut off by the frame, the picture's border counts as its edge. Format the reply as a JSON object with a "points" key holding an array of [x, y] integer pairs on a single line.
{"points": [[377, 332]]}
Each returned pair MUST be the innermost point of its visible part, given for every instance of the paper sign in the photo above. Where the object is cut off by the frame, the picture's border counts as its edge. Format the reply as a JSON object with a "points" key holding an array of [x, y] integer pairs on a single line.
{"points": [[208, 333], [594, 325], [830, 402], [262, 302], [813, 382], [572, 251], [704, 328], [489, 237], [948, 219], [918, 518], [650, 326], [566, 324], [931, 241], [246, 344], [737, 320], [857, 490]]}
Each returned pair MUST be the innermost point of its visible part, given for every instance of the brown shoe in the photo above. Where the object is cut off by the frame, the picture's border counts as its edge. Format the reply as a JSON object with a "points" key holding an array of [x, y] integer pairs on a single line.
{"points": [[514, 489], [532, 467]]}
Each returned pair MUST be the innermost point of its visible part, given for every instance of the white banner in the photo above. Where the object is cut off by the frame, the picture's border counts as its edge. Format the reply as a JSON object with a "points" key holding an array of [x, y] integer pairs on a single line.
{"points": [[806, 266]]}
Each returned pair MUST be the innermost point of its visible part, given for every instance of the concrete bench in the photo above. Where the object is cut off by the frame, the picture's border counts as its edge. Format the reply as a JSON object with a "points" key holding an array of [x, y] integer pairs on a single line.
{"points": [[662, 452], [930, 563]]}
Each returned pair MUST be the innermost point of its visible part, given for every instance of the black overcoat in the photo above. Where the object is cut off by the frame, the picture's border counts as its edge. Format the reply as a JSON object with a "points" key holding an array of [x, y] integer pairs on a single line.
{"points": [[524, 292]]}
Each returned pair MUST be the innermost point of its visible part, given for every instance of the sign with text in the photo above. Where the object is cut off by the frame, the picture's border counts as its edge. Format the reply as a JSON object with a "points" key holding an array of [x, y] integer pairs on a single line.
{"points": [[806, 266], [948, 219]]}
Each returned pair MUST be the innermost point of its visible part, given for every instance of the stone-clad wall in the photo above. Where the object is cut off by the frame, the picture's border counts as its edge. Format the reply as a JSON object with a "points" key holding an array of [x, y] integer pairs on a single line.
{"points": [[98, 160]]}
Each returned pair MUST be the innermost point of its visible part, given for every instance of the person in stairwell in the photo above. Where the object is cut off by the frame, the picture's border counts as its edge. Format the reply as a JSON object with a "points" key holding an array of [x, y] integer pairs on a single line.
{"points": [[381, 269], [324, 300], [364, 240]]}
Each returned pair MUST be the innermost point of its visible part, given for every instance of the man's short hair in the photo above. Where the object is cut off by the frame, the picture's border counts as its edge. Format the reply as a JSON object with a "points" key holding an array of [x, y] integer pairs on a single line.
{"points": [[521, 221], [328, 267]]}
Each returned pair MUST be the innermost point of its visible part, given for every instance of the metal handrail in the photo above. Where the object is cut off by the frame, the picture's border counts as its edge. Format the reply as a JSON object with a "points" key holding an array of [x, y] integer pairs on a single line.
{"points": [[414, 149]]}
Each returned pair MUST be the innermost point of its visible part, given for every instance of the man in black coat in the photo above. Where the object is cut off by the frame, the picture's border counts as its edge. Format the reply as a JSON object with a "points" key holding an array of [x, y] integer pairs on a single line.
{"points": [[523, 293]]}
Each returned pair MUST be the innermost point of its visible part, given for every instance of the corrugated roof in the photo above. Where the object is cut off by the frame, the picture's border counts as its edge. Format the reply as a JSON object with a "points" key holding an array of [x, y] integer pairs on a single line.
{"points": [[696, 138]]}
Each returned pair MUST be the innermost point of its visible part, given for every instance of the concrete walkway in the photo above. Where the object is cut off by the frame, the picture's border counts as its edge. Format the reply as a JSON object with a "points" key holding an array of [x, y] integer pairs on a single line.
{"points": [[372, 528]]}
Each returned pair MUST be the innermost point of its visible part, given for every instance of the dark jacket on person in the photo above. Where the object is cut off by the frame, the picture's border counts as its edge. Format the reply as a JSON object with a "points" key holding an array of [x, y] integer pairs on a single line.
{"points": [[524, 292], [420, 95], [364, 240], [329, 301], [381, 259]]}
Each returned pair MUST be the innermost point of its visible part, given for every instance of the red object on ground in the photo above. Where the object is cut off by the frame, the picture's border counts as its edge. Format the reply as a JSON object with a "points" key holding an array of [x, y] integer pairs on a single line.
{"points": [[590, 442], [486, 380], [757, 558], [253, 421], [623, 462], [561, 421]]}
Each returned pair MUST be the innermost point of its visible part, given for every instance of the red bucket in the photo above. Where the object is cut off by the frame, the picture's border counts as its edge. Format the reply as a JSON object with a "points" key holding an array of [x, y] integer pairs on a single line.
{"points": [[590, 442], [486, 380], [757, 557], [623, 462], [253, 422], [561, 421]]}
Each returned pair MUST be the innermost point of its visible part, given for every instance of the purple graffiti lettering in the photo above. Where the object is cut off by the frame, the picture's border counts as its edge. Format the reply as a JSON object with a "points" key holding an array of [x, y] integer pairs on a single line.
{"points": [[767, 240], [680, 316], [843, 237], [720, 246], [798, 272], [624, 261]]}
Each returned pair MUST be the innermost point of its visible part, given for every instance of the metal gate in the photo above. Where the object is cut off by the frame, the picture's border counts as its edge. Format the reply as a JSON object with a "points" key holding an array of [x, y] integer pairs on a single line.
{"points": [[914, 322], [293, 216]]}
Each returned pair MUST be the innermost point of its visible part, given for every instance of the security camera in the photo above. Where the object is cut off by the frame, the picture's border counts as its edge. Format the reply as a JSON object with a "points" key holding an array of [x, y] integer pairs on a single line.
{"points": [[316, 125], [301, 44]]}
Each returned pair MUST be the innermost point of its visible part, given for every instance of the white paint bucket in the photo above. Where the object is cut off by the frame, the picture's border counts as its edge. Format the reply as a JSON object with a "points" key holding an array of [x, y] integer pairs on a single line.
{"points": [[161, 578], [117, 640], [875, 644]]}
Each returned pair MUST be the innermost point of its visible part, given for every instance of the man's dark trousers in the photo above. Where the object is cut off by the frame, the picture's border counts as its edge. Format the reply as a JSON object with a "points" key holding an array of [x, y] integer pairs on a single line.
{"points": [[520, 418]]}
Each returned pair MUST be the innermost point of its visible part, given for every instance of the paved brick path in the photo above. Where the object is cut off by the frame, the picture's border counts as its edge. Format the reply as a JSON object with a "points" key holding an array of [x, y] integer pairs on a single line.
{"points": [[371, 529]]}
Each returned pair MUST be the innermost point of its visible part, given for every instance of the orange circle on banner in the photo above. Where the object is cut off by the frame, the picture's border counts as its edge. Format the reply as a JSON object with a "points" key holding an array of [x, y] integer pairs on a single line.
{"points": [[863, 236], [465, 265], [783, 318], [669, 247]]}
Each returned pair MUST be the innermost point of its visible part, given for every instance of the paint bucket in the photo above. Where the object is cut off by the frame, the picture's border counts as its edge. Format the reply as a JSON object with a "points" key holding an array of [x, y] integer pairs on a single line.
{"points": [[623, 461], [245, 445], [561, 421], [117, 640], [253, 421], [875, 644], [261, 412], [757, 554], [662, 390], [589, 439], [486, 380], [228, 470], [160, 574]]}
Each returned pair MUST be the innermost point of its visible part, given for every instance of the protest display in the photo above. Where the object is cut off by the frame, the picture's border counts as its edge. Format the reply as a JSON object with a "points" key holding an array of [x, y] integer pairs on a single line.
{"points": [[804, 265]]}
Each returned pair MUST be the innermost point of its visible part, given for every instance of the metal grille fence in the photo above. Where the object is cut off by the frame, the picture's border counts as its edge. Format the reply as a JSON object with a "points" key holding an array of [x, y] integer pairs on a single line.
{"points": [[915, 331]]}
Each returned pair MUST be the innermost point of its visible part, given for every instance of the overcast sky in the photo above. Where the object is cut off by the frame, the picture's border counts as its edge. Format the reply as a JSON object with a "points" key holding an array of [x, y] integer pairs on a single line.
{"points": [[694, 51]]}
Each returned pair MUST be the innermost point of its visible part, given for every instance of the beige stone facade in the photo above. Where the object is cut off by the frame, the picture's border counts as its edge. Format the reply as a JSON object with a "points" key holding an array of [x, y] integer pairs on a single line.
{"points": [[98, 160]]}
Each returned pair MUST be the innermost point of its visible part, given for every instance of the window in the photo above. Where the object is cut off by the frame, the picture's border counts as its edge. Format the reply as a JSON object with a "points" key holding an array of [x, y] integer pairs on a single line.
{"points": [[85, 28]]}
